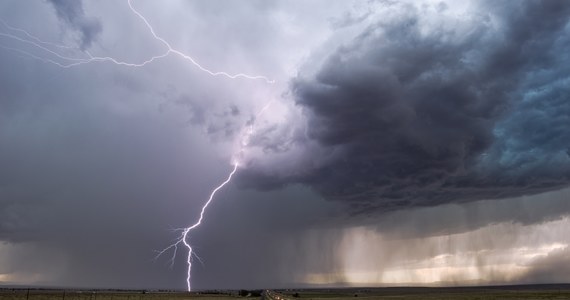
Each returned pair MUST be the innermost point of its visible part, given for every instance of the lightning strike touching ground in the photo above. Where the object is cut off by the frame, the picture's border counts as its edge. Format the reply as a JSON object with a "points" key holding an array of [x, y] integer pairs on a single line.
{"points": [[53, 52], [187, 230], [183, 238]]}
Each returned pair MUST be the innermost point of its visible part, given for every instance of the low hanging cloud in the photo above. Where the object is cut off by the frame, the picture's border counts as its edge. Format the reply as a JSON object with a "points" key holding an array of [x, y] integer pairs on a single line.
{"points": [[71, 12], [424, 108], [546, 269]]}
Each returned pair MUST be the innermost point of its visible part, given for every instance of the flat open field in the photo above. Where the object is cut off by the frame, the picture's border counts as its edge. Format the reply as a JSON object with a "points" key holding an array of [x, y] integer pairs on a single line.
{"points": [[403, 293], [19, 294], [412, 293]]}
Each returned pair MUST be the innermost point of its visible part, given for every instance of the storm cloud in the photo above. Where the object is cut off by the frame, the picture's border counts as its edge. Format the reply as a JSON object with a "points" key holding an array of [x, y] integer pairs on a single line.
{"points": [[401, 111], [72, 13], [426, 107]]}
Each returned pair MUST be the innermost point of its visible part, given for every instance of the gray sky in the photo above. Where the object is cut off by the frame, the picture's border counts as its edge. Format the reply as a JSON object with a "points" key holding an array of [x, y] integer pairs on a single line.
{"points": [[419, 142]]}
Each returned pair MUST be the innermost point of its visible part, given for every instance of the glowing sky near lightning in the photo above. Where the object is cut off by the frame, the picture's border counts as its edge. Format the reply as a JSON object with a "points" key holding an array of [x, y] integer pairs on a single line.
{"points": [[113, 143]]}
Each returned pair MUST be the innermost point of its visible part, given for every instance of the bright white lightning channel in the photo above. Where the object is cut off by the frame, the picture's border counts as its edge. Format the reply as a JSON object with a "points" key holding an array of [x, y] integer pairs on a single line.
{"points": [[183, 238], [71, 61], [63, 60]]}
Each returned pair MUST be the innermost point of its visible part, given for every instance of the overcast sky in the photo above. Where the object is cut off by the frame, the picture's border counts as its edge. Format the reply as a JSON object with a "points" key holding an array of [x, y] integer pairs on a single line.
{"points": [[392, 143]]}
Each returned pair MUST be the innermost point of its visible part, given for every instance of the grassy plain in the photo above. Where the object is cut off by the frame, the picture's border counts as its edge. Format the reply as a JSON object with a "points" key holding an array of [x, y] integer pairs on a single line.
{"points": [[8, 294], [403, 293], [422, 293]]}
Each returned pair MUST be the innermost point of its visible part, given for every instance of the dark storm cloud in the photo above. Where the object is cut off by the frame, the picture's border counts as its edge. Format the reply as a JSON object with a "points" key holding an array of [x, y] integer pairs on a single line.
{"points": [[98, 161], [71, 12], [420, 117], [460, 218]]}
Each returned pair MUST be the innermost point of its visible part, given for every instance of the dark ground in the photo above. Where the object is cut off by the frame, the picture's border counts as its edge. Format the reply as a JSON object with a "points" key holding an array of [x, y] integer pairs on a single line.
{"points": [[550, 291]]}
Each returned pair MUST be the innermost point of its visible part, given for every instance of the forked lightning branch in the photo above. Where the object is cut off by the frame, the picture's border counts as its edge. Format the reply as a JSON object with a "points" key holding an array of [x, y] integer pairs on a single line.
{"points": [[58, 55]]}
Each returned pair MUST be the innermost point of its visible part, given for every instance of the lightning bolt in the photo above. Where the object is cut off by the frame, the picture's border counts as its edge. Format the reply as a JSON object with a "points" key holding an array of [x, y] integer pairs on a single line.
{"points": [[70, 61], [187, 230], [63, 60], [183, 238]]}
